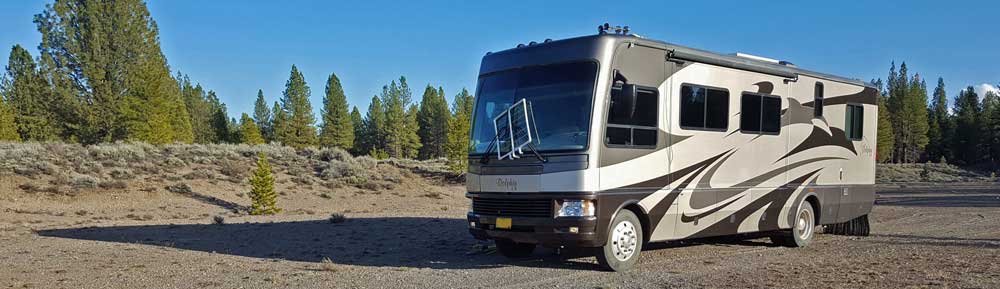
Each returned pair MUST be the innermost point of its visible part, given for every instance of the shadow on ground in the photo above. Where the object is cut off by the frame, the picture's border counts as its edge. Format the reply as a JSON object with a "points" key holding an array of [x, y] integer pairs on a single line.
{"points": [[398, 242], [416, 242], [979, 201], [898, 239]]}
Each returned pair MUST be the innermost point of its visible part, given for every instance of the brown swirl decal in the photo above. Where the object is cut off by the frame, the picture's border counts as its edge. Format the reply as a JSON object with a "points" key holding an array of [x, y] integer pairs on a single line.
{"points": [[774, 200], [819, 138], [764, 87], [866, 96]]}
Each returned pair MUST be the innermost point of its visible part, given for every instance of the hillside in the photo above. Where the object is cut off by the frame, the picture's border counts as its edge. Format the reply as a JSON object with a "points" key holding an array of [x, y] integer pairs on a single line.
{"points": [[55, 183]]}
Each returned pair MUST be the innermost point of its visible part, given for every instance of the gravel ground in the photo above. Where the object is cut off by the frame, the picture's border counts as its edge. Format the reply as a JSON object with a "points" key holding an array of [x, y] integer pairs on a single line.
{"points": [[922, 238]]}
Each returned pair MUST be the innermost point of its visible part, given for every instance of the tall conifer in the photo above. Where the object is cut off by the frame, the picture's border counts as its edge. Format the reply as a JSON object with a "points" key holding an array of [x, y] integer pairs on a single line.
{"points": [[28, 98], [458, 134], [297, 128], [337, 129], [433, 119], [262, 116]]}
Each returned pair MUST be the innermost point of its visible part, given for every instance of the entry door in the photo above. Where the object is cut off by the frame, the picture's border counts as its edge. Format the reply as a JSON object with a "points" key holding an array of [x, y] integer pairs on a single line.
{"points": [[632, 146]]}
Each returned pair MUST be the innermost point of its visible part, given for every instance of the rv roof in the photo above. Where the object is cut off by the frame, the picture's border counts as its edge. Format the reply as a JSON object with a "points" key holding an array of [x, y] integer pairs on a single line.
{"points": [[738, 61]]}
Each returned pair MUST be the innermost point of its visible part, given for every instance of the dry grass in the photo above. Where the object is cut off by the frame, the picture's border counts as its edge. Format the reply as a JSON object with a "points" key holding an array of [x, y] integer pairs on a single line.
{"points": [[70, 168], [929, 173], [327, 265]]}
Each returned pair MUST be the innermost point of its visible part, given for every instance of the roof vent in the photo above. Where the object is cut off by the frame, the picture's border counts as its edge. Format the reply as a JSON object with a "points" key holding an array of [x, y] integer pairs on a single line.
{"points": [[786, 63], [757, 58]]}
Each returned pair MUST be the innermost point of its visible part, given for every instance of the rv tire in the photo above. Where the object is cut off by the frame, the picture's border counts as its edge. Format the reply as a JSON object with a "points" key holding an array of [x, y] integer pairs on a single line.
{"points": [[514, 250], [621, 251], [803, 228]]}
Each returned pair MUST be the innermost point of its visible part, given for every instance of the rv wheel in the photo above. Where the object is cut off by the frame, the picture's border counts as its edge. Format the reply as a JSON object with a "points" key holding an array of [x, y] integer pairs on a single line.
{"points": [[624, 244], [514, 250], [803, 228]]}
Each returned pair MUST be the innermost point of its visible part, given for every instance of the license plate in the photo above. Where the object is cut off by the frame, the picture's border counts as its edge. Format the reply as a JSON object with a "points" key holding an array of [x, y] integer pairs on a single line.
{"points": [[503, 223]]}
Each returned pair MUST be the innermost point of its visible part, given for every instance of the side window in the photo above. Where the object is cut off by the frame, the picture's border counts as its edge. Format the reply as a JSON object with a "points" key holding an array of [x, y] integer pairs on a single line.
{"points": [[855, 121], [704, 108], [760, 113], [632, 126], [818, 100]]}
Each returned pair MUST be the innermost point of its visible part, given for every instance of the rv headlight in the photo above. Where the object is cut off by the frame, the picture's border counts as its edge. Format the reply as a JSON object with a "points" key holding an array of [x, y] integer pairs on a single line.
{"points": [[576, 208]]}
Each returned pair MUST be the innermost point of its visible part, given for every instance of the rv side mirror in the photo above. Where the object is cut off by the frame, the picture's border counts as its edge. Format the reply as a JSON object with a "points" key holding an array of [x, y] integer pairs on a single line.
{"points": [[628, 99]]}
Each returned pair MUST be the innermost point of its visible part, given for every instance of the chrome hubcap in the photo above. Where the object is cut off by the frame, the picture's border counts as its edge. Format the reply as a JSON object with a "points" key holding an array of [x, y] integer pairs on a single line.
{"points": [[624, 240], [804, 225]]}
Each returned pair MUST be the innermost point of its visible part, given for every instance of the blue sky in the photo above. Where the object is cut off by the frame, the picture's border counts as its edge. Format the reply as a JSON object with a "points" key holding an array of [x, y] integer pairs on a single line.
{"points": [[235, 47]]}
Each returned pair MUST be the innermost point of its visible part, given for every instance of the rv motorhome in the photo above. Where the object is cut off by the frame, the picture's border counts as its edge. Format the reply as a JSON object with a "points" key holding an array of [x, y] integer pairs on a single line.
{"points": [[612, 140]]}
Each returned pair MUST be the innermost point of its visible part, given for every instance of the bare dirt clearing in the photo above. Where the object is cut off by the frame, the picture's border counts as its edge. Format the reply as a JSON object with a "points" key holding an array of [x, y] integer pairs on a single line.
{"points": [[923, 238]]}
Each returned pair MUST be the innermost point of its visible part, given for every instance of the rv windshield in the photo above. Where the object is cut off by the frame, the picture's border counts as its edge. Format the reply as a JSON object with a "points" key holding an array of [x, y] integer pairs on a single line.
{"points": [[559, 99]]}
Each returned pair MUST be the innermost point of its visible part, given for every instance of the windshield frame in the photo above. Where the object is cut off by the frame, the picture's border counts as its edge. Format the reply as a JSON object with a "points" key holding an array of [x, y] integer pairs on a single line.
{"points": [[590, 118]]}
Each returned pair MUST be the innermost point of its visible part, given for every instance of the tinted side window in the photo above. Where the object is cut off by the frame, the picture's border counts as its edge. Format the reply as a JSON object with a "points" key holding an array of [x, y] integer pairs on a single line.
{"points": [[760, 113], [750, 113], [632, 126], [704, 108], [692, 106], [770, 115], [717, 109], [855, 121]]}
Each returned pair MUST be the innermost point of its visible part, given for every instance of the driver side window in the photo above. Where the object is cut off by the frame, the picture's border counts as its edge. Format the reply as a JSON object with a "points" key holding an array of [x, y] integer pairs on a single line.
{"points": [[634, 125]]}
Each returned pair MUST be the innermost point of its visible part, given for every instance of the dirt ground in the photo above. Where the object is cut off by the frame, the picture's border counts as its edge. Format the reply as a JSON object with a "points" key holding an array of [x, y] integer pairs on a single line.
{"points": [[415, 237]]}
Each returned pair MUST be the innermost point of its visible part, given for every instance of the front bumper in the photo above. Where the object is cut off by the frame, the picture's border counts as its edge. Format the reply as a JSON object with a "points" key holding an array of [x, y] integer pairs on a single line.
{"points": [[542, 231]]}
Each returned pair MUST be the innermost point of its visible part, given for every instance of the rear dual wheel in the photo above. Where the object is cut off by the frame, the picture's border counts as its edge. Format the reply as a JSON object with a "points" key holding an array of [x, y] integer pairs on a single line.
{"points": [[859, 226]]}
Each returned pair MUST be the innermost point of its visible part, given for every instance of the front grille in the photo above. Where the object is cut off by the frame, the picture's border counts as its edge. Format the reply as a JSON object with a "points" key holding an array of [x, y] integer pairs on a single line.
{"points": [[540, 208]]}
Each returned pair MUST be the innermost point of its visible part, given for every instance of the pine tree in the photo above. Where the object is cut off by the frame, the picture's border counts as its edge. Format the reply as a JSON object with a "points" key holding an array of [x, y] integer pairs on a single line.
{"points": [[222, 126], [262, 116], [967, 113], [107, 55], [990, 125], [373, 127], [916, 115], [28, 97], [458, 134], [411, 144], [262, 195], [199, 109], [907, 107], [359, 132], [297, 129], [941, 129], [886, 138], [279, 122], [8, 130], [249, 132], [337, 129], [397, 134], [896, 93], [433, 123]]}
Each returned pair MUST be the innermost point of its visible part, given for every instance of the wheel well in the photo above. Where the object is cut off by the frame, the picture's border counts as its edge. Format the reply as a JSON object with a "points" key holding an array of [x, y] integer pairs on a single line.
{"points": [[643, 218], [817, 211]]}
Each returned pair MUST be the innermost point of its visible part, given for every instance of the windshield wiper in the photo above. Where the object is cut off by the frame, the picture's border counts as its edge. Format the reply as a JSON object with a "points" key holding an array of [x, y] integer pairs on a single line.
{"points": [[537, 155], [486, 155]]}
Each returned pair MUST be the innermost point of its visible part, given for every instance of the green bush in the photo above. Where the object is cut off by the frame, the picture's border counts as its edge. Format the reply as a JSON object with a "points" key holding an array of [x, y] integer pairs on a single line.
{"points": [[262, 195]]}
